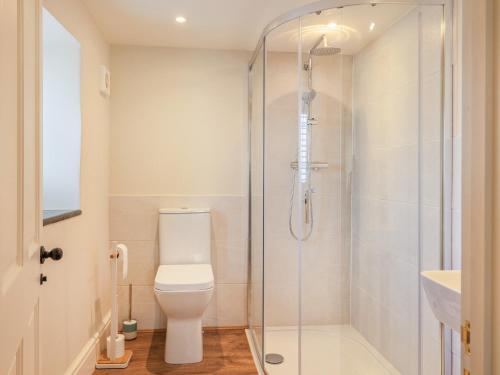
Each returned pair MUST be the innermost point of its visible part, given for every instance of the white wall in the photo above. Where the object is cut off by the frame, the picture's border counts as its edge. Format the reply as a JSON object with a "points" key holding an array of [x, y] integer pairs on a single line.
{"points": [[178, 121], [396, 189], [75, 301], [178, 138], [61, 117]]}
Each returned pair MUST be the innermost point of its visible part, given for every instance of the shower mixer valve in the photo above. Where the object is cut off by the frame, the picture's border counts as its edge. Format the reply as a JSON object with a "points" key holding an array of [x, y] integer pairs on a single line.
{"points": [[312, 121], [307, 205]]}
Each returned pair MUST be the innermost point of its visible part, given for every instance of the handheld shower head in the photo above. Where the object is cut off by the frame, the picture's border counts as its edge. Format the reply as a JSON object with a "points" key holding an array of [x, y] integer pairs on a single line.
{"points": [[308, 96]]}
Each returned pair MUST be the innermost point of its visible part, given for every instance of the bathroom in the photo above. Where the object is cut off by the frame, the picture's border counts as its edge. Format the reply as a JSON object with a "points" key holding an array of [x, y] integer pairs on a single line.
{"points": [[254, 187]]}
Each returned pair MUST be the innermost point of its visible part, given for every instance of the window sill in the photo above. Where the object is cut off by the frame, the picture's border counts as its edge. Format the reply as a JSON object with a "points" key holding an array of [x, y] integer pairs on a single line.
{"points": [[54, 216]]}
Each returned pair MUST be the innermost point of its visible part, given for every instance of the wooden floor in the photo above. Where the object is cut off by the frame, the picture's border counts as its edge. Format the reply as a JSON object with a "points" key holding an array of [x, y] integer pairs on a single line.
{"points": [[226, 352]]}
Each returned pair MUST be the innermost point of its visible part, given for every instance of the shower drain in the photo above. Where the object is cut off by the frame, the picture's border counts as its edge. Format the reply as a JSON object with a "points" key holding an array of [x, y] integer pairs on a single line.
{"points": [[274, 359]]}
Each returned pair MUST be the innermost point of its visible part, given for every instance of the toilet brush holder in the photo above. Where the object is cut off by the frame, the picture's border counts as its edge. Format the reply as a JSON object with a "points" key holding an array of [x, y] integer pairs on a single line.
{"points": [[129, 329]]}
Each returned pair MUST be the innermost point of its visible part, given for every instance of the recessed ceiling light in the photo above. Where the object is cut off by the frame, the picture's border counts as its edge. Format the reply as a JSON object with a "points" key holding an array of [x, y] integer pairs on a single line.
{"points": [[180, 19], [332, 25], [372, 26]]}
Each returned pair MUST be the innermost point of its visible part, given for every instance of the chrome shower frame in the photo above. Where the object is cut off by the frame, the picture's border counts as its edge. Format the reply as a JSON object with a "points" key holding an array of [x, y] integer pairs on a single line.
{"points": [[446, 152]]}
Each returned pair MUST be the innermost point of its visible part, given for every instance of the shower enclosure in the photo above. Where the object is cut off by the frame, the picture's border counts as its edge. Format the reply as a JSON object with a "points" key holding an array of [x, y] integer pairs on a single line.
{"points": [[349, 117]]}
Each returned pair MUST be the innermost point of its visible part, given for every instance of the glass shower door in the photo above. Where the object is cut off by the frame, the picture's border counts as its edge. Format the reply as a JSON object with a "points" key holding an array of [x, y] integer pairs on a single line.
{"points": [[256, 205], [282, 197], [347, 131], [325, 253], [372, 78]]}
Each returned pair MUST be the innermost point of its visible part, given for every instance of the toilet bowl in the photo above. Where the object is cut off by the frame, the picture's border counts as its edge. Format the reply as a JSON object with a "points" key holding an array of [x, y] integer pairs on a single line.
{"points": [[183, 292], [184, 282]]}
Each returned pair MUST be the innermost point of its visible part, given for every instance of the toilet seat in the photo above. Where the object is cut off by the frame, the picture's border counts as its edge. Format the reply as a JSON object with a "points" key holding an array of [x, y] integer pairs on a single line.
{"points": [[184, 277]]}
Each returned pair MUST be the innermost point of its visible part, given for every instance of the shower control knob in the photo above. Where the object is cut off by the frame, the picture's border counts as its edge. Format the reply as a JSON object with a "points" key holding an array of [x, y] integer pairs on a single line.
{"points": [[54, 254]]}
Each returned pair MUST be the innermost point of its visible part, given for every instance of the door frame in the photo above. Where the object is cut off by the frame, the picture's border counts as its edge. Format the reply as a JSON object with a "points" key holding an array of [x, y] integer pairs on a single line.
{"points": [[477, 182]]}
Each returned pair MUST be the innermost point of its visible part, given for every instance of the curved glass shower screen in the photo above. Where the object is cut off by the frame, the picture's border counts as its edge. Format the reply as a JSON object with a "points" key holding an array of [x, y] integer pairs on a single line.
{"points": [[347, 124]]}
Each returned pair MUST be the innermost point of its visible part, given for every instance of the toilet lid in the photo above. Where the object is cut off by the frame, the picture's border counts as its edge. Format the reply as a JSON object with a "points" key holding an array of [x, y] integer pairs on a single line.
{"points": [[184, 277]]}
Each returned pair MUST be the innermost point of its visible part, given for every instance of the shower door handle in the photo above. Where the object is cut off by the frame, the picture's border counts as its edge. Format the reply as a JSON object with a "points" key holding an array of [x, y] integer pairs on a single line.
{"points": [[306, 207]]}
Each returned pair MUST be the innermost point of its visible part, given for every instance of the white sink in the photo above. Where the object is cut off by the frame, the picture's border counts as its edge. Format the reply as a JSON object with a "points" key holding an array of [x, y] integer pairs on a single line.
{"points": [[443, 290]]}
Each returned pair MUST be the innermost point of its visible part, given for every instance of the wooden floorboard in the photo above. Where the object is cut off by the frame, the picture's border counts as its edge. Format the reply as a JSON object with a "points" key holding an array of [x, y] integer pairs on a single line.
{"points": [[226, 352]]}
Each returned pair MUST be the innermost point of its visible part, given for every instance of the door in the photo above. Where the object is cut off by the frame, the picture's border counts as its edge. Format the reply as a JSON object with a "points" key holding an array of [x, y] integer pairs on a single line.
{"points": [[19, 196], [478, 171]]}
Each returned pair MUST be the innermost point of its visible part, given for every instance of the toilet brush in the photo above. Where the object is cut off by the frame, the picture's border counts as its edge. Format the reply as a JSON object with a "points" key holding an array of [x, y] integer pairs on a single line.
{"points": [[129, 326], [117, 356]]}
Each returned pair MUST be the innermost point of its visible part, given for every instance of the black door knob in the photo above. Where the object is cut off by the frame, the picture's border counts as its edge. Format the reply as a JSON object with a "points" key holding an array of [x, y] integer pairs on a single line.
{"points": [[54, 254], [43, 278]]}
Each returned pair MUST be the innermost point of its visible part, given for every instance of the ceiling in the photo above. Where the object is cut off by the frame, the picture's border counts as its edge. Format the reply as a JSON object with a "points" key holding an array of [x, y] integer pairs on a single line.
{"points": [[234, 24], [215, 24], [346, 28], [54, 33]]}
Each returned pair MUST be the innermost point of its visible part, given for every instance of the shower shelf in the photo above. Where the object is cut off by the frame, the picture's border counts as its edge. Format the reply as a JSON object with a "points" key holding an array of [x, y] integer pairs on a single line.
{"points": [[315, 165]]}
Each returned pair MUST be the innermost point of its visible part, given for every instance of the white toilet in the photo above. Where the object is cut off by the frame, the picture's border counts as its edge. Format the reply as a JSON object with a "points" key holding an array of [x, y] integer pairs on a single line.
{"points": [[184, 282]]}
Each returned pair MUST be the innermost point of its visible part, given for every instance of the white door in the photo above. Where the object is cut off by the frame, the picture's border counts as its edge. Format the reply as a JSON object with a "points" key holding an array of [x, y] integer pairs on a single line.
{"points": [[20, 217]]}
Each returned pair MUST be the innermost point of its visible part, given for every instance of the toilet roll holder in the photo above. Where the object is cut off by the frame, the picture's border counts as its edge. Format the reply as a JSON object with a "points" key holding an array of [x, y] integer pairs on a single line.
{"points": [[116, 355]]}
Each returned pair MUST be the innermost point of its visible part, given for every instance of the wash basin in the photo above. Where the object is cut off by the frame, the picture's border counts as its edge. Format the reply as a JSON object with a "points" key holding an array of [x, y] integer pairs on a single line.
{"points": [[443, 290]]}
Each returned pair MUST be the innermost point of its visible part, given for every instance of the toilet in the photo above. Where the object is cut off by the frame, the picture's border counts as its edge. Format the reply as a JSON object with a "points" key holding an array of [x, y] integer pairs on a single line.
{"points": [[184, 282]]}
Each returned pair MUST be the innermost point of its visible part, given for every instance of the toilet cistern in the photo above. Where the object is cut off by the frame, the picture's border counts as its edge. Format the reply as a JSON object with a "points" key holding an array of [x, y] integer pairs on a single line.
{"points": [[184, 282]]}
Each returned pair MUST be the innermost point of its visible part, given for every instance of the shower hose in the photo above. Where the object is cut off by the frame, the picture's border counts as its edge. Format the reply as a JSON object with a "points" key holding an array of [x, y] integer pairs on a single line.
{"points": [[290, 213]]}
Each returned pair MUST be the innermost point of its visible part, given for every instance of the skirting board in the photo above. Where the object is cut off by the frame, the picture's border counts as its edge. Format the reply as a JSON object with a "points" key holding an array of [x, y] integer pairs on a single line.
{"points": [[205, 329], [84, 363]]}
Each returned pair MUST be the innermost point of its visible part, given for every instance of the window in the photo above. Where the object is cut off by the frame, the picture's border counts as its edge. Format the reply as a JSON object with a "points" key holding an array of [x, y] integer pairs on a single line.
{"points": [[61, 121]]}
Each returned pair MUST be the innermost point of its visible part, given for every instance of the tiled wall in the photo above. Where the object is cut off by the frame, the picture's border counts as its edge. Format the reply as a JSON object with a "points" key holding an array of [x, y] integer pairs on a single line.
{"points": [[134, 222], [325, 255], [396, 189]]}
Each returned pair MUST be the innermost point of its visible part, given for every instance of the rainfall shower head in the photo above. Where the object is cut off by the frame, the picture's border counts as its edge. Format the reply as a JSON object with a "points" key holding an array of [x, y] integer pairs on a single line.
{"points": [[323, 50]]}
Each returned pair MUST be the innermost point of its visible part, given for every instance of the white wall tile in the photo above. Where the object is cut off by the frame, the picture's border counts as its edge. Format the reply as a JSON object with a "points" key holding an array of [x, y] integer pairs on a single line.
{"points": [[232, 263], [456, 364], [457, 173], [431, 108], [123, 304], [396, 105], [142, 263], [231, 305], [431, 173], [431, 357], [133, 218], [431, 237], [281, 304], [134, 221], [145, 308]]}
